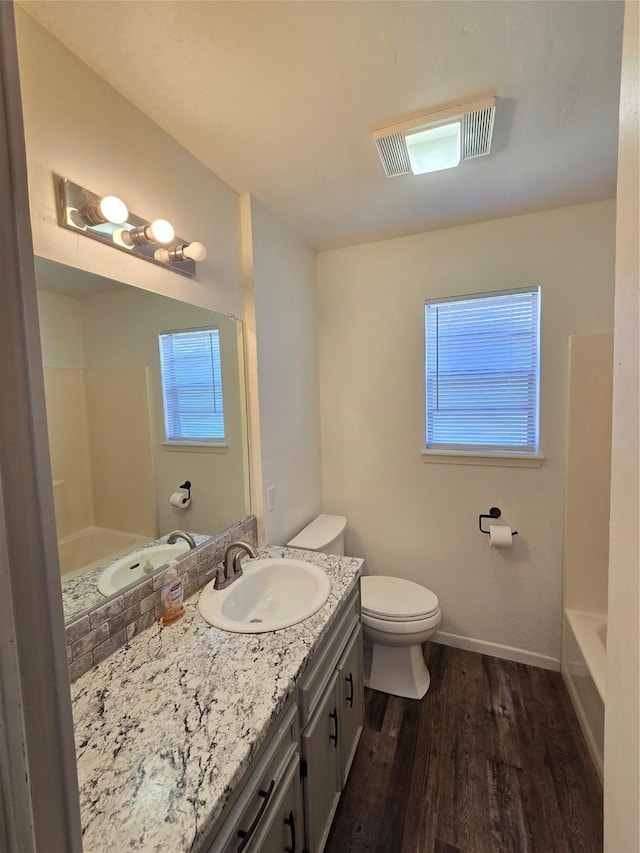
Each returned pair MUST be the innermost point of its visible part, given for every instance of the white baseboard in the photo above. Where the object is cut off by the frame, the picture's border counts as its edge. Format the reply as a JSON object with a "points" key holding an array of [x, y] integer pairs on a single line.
{"points": [[496, 650]]}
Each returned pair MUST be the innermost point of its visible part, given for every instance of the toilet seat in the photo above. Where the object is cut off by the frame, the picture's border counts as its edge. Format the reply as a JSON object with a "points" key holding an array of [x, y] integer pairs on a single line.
{"points": [[402, 626], [395, 600]]}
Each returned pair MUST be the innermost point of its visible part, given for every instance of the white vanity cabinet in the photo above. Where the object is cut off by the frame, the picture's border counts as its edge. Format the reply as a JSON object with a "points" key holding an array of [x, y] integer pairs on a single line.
{"points": [[331, 706]]}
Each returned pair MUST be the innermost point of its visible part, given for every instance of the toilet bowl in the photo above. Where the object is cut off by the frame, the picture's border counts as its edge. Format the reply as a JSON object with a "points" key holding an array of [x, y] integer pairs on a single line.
{"points": [[398, 616]]}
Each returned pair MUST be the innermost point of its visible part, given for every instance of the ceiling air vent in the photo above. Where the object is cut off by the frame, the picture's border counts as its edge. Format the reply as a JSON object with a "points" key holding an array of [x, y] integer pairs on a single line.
{"points": [[477, 130], [439, 139], [393, 153]]}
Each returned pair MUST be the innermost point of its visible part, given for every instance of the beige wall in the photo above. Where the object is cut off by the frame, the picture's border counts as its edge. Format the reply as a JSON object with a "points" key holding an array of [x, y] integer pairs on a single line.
{"points": [[79, 127], [282, 319], [419, 520], [588, 477], [622, 716]]}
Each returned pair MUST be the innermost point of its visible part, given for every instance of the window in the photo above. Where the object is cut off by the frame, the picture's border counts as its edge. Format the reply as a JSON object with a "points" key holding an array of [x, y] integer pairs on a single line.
{"points": [[482, 372], [192, 386]]}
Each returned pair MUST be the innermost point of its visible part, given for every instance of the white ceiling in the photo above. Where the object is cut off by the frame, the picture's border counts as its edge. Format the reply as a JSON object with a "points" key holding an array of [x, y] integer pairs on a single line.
{"points": [[279, 99]]}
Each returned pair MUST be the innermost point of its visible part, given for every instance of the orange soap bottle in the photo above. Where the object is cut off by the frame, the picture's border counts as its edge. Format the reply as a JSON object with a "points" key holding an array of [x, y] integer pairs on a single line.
{"points": [[172, 595]]}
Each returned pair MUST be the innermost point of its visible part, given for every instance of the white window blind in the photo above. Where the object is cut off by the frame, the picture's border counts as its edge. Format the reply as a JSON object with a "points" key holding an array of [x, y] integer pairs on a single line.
{"points": [[482, 372], [192, 385]]}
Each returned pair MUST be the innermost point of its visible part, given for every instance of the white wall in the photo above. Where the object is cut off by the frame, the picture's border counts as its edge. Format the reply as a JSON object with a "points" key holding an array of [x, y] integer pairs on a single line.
{"points": [[419, 520], [622, 715], [281, 316], [79, 127]]}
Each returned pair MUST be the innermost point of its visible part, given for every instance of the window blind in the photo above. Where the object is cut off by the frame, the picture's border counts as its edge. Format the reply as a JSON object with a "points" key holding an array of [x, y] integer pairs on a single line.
{"points": [[482, 372], [192, 385]]}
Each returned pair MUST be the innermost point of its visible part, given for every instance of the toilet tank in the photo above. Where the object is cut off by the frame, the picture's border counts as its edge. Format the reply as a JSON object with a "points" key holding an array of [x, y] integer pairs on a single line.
{"points": [[325, 534]]}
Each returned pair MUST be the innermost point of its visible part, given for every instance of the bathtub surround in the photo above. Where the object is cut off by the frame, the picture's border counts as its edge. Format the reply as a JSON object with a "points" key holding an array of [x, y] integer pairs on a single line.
{"points": [[586, 533], [371, 320], [97, 633], [155, 775]]}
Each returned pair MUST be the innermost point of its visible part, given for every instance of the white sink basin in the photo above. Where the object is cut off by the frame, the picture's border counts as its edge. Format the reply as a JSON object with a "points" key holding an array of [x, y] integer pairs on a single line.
{"points": [[271, 594], [132, 567]]}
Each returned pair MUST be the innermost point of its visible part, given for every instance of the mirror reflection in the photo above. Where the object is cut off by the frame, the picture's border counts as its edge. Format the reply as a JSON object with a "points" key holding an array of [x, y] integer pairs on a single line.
{"points": [[120, 449]]}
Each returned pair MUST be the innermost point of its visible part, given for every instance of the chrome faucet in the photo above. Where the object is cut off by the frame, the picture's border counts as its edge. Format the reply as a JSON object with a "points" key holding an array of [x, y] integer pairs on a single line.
{"points": [[180, 534], [232, 568]]}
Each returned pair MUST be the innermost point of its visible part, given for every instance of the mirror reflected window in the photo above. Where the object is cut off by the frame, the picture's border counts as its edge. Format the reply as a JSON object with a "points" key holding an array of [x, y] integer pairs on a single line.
{"points": [[192, 393]]}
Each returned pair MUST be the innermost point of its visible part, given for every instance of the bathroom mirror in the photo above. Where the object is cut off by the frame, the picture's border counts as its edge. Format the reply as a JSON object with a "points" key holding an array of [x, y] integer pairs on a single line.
{"points": [[113, 469]]}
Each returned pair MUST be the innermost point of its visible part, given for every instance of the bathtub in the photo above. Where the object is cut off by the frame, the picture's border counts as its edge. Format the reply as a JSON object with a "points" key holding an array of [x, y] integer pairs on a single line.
{"points": [[85, 549], [584, 668]]}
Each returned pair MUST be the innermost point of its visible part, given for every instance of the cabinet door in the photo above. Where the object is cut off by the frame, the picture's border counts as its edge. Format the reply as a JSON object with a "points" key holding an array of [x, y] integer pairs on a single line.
{"points": [[321, 751], [283, 829], [351, 686]]}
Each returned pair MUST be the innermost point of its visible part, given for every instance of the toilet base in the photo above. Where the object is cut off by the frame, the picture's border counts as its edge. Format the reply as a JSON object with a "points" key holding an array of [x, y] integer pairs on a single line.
{"points": [[399, 670]]}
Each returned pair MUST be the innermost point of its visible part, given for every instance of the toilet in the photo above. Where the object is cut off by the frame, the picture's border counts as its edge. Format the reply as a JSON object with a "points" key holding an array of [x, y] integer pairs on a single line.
{"points": [[398, 616]]}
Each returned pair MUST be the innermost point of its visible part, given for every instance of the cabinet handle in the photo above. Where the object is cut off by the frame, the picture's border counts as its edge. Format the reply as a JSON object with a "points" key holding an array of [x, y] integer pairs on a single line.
{"points": [[291, 821], [334, 717], [349, 680], [245, 834]]}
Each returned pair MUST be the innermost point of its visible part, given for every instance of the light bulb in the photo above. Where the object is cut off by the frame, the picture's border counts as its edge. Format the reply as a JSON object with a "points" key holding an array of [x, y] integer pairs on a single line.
{"points": [[196, 251], [107, 209], [162, 231], [113, 209], [121, 238], [162, 255]]}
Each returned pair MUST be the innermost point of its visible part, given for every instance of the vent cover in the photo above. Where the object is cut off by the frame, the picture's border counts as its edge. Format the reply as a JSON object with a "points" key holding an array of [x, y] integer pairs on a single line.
{"points": [[476, 117], [394, 155], [477, 130]]}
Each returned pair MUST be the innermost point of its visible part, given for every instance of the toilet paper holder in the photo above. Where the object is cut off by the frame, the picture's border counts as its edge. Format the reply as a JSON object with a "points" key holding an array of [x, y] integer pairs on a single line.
{"points": [[187, 487], [494, 512]]}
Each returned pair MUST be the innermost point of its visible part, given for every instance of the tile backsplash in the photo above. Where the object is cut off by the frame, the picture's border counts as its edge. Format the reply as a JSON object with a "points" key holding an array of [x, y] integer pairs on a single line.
{"points": [[94, 635]]}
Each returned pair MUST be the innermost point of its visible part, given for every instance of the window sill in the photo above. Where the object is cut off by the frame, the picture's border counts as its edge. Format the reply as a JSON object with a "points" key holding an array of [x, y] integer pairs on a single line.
{"points": [[470, 457], [196, 447]]}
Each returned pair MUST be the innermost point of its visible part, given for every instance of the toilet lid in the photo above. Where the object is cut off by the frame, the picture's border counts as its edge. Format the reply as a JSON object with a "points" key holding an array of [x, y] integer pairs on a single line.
{"points": [[396, 597]]}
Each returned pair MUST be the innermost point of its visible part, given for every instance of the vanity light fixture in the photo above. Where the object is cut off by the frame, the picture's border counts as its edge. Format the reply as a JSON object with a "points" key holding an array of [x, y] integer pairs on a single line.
{"points": [[439, 139], [107, 219]]}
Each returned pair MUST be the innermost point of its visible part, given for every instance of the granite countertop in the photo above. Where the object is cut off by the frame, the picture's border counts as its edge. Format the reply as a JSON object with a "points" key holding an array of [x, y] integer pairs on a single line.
{"points": [[166, 727]]}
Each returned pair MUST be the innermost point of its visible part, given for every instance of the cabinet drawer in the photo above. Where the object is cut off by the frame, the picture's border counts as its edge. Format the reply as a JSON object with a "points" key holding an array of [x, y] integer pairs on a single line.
{"points": [[283, 825], [321, 670], [247, 815]]}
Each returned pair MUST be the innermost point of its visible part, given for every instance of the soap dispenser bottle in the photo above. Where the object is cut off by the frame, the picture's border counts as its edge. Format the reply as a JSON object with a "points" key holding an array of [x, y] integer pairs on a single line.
{"points": [[172, 595]]}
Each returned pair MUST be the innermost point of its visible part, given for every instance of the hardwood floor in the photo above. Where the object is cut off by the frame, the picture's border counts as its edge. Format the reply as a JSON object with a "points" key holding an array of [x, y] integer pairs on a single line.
{"points": [[492, 759]]}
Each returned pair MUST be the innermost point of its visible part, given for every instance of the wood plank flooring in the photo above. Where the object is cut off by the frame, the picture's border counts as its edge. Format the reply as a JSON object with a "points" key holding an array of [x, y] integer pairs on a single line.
{"points": [[491, 760]]}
